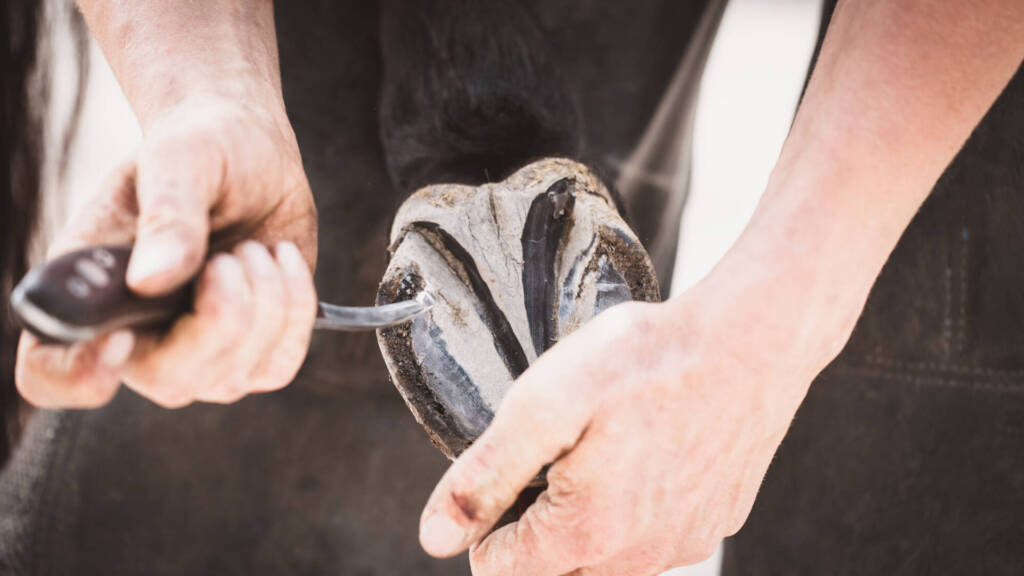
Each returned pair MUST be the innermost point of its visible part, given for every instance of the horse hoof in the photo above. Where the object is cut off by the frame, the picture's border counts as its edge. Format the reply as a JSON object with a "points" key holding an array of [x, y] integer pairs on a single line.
{"points": [[513, 267]]}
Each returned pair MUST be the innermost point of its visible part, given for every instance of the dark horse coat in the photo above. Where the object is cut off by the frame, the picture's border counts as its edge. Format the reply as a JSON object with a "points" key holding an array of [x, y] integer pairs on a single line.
{"points": [[906, 455]]}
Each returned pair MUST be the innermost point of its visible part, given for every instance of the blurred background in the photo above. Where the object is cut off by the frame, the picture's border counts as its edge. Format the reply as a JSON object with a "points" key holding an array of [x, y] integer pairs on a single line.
{"points": [[750, 90]]}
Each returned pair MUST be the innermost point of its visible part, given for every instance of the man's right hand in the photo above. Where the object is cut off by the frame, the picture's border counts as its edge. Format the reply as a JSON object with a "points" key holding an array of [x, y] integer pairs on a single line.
{"points": [[209, 167]]}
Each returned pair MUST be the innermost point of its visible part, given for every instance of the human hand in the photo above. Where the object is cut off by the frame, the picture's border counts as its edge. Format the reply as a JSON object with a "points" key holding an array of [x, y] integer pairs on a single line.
{"points": [[661, 421], [215, 171]]}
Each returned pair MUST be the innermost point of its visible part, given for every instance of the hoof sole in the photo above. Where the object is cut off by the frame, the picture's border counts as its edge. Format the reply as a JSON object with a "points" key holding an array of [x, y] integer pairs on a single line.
{"points": [[513, 267]]}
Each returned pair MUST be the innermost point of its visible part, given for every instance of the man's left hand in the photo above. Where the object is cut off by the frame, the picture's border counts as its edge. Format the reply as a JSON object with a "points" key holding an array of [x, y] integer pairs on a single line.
{"points": [[660, 421]]}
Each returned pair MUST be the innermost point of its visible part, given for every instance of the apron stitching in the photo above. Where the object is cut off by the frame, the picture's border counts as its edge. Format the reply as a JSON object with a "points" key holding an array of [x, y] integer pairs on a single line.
{"points": [[947, 313], [941, 367], [962, 317], [926, 379]]}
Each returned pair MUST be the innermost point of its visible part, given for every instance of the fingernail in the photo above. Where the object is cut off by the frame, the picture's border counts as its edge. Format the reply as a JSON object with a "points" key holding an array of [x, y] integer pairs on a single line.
{"points": [[117, 349], [252, 249], [441, 536], [229, 275], [290, 258], [158, 256]]}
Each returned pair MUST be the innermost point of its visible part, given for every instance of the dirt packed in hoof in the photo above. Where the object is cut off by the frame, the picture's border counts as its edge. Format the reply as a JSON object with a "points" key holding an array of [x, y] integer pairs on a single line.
{"points": [[514, 266]]}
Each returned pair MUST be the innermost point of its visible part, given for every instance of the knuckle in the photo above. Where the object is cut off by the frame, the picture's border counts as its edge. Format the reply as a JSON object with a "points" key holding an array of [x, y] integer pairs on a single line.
{"points": [[267, 384], [570, 484], [278, 373], [235, 379], [163, 216], [229, 396], [169, 399], [622, 314], [468, 504], [475, 497], [225, 385], [94, 392], [624, 322], [464, 508], [164, 223], [164, 394]]}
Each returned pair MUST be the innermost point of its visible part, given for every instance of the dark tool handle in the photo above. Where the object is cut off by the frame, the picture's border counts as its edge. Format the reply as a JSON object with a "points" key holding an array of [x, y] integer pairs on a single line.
{"points": [[84, 294]]}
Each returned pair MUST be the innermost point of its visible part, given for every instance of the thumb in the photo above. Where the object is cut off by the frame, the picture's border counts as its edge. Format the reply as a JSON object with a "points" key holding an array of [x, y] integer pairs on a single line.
{"points": [[537, 422], [177, 182], [106, 217]]}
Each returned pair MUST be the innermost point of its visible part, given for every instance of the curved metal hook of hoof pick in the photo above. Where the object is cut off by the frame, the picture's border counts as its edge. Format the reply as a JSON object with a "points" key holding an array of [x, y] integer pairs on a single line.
{"points": [[514, 267]]}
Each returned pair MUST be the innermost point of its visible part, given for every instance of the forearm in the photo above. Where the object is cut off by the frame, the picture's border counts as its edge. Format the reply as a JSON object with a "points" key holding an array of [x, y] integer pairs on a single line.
{"points": [[897, 90], [164, 51]]}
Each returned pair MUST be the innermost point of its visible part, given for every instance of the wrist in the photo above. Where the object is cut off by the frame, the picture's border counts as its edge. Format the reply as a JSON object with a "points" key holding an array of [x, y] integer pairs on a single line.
{"points": [[796, 280], [164, 53], [157, 94]]}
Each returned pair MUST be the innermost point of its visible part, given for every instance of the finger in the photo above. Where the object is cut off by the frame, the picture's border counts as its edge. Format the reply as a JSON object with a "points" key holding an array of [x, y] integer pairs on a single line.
{"points": [[267, 317], [538, 421], [79, 376], [538, 543], [172, 370], [577, 521], [280, 365], [107, 217], [178, 181]]}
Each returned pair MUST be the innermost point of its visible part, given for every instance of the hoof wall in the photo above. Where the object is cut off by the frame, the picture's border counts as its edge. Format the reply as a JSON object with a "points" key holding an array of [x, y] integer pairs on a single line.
{"points": [[513, 267]]}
